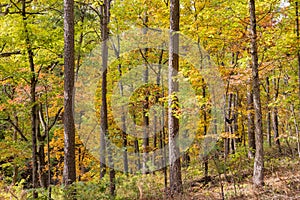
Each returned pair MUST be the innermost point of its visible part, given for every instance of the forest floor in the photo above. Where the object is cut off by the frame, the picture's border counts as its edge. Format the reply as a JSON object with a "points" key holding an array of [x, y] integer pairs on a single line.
{"points": [[282, 181]]}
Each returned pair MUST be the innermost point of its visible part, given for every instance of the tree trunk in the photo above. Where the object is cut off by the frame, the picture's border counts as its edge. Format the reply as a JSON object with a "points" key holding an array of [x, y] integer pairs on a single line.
{"points": [[123, 116], [275, 114], [145, 114], [123, 131], [145, 108], [258, 171], [33, 112], [237, 138], [268, 112], [251, 134], [296, 129], [205, 158], [69, 172], [173, 124], [298, 48], [105, 13], [227, 116], [15, 138], [41, 159], [103, 109]]}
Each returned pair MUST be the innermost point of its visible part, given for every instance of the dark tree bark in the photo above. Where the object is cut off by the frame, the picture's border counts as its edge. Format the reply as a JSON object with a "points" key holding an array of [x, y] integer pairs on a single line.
{"points": [[103, 109], [105, 15], [275, 114], [33, 112], [173, 124], [205, 158], [69, 172], [145, 169], [137, 149], [268, 112], [228, 125], [258, 171], [41, 158]]}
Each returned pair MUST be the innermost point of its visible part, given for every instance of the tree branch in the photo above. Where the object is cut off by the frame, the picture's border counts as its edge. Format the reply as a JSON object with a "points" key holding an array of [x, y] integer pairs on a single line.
{"points": [[7, 54], [56, 118], [17, 128]]}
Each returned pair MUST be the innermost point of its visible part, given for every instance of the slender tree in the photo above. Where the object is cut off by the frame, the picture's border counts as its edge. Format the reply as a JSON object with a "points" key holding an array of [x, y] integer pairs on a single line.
{"points": [[103, 109], [298, 50], [258, 171], [145, 107], [33, 111], [105, 15], [275, 120], [69, 172], [173, 124], [268, 112]]}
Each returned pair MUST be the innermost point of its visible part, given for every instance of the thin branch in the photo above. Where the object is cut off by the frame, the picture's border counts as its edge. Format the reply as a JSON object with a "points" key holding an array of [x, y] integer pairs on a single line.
{"points": [[149, 65], [42, 119], [7, 54], [28, 13], [4, 79], [16, 127], [55, 119], [2, 48], [15, 5]]}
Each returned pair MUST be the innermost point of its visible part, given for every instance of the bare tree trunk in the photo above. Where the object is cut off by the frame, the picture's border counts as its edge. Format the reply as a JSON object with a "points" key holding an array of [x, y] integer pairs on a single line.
{"points": [[258, 171], [173, 125], [69, 172]]}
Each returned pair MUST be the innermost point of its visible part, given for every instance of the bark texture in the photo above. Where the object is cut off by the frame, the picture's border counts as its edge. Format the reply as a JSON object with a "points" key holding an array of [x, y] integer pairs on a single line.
{"points": [[105, 144], [258, 171], [69, 172], [173, 124]]}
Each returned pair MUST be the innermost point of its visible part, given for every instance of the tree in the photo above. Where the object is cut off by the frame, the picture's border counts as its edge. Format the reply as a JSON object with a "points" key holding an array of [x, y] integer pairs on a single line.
{"points": [[33, 112], [258, 171], [69, 173], [105, 16], [173, 124], [298, 51]]}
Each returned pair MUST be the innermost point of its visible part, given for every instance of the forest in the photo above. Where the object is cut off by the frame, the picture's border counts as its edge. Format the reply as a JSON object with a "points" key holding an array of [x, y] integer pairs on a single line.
{"points": [[149, 99]]}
